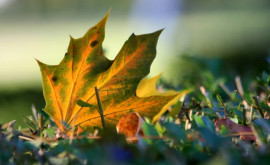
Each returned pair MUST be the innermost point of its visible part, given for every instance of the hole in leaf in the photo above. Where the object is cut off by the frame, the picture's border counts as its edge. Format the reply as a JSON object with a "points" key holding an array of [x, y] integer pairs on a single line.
{"points": [[54, 78], [94, 43]]}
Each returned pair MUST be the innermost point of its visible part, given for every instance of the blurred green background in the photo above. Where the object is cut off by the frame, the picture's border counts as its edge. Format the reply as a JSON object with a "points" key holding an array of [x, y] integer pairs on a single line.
{"points": [[227, 37]]}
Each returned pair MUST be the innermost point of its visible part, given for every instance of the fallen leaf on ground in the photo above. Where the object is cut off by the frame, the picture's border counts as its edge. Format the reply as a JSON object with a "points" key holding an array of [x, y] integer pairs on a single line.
{"points": [[121, 90]]}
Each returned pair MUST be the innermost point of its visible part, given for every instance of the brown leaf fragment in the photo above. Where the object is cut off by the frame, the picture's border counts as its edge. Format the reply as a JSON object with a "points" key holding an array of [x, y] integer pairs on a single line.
{"points": [[130, 125], [245, 132]]}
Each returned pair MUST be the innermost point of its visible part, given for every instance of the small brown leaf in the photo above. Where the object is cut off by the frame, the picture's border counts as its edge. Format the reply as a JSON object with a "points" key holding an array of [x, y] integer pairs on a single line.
{"points": [[130, 125], [243, 131]]}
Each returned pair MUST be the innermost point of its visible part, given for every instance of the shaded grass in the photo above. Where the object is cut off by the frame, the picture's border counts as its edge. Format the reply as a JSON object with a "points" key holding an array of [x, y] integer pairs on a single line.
{"points": [[16, 104]]}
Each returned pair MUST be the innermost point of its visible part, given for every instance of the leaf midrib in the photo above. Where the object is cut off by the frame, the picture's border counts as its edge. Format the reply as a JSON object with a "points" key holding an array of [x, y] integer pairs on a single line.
{"points": [[134, 55]]}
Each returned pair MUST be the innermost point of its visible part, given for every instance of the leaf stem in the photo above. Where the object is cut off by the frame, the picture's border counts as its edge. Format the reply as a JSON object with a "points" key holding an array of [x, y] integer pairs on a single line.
{"points": [[258, 106], [254, 107], [41, 128], [244, 116], [206, 95], [226, 90], [222, 104], [100, 108]]}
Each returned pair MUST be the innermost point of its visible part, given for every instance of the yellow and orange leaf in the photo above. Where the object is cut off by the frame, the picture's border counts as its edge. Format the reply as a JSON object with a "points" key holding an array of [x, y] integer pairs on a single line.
{"points": [[85, 67]]}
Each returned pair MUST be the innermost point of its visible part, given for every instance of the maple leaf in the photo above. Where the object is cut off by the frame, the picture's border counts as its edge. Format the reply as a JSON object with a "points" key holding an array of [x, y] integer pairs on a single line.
{"points": [[85, 67]]}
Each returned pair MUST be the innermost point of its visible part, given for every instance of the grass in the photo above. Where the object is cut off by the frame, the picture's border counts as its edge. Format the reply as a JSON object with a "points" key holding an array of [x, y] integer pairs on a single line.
{"points": [[16, 104]]}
